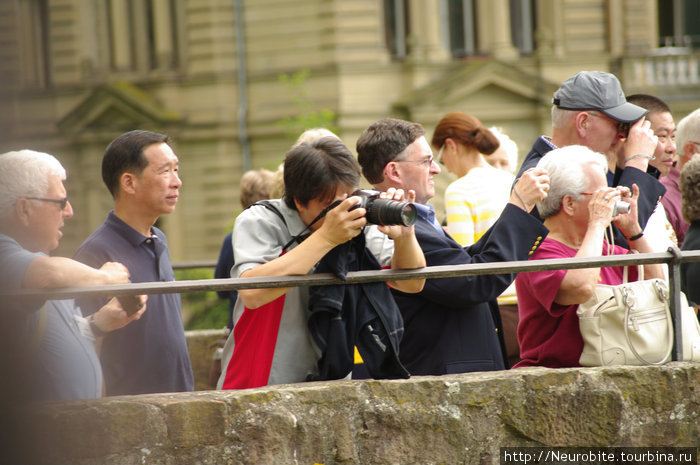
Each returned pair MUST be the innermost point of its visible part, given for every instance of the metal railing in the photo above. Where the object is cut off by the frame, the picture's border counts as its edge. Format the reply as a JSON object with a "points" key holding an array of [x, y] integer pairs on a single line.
{"points": [[673, 259]]}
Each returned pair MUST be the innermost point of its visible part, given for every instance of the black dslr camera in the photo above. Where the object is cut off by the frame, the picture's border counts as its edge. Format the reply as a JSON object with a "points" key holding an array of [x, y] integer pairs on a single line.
{"points": [[383, 211]]}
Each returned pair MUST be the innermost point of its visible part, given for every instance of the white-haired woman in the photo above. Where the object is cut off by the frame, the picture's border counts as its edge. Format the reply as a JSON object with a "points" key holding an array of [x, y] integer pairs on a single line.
{"points": [[577, 212], [690, 207]]}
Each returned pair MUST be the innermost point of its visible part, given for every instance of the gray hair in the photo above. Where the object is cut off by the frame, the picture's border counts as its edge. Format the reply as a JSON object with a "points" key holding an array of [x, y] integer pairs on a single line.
{"points": [[689, 184], [561, 117], [507, 144], [25, 173], [566, 175], [311, 135], [688, 130]]}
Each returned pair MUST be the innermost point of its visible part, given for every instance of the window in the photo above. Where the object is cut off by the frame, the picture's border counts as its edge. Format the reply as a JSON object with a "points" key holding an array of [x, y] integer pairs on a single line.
{"points": [[139, 35], [462, 27], [396, 27], [522, 25], [34, 43], [678, 23]]}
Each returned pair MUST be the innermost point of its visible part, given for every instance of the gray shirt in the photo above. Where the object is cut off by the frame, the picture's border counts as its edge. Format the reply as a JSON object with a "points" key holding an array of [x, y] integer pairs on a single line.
{"points": [[64, 365]]}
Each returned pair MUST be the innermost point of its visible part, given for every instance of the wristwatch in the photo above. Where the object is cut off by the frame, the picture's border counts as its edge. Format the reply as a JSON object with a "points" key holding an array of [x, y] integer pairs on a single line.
{"points": [[96, 331]]}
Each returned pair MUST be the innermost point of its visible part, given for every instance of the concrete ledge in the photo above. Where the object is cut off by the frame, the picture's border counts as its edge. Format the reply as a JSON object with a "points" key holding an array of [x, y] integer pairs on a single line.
{"points": [[451, 419]]}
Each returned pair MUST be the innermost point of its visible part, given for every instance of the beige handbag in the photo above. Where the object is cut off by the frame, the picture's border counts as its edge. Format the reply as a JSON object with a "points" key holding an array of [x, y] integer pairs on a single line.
{"points": [[630, 324]]}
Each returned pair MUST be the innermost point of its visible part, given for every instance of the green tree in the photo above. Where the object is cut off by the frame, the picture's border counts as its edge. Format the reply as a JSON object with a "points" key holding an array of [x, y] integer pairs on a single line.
{"points": [[307, 116]]}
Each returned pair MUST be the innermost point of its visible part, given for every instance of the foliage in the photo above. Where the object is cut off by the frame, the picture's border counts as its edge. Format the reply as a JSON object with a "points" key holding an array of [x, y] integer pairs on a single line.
{"points": [[307, 117], [202, 310]]}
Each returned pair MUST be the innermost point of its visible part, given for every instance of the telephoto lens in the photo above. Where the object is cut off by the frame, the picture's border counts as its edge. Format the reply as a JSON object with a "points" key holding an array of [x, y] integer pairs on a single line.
{"points": [[384, 211]]}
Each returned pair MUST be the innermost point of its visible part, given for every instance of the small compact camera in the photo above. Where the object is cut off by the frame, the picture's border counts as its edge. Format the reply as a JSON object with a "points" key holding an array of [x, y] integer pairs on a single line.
{"points": [[384, 212], [621, 207], [130, 303]]}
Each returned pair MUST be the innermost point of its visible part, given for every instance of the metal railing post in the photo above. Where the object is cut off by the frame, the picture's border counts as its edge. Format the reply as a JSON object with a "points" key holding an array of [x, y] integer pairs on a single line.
{"points": [[674, 290]]}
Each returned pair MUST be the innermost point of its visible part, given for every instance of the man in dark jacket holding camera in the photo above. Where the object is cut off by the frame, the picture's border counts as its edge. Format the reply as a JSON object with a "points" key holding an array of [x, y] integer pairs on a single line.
{"points": [[451, 325]]}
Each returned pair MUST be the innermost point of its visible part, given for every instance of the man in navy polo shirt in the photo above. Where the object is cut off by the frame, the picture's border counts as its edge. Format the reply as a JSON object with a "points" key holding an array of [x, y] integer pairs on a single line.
{"points": [[141, 172]]}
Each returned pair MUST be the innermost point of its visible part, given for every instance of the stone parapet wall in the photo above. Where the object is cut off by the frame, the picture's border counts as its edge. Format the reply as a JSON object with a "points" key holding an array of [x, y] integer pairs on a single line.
{"points": [[459, 419]]}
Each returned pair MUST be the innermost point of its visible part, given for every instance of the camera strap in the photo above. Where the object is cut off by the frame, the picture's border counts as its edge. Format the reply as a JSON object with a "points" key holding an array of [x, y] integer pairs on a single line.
{"points": [[299, 238]]}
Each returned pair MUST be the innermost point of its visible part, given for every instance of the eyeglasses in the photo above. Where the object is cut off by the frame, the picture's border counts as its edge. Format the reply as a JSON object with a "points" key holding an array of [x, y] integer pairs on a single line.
{"points": [[439, 155], [61, 202], [423, 161], [620, 127]]}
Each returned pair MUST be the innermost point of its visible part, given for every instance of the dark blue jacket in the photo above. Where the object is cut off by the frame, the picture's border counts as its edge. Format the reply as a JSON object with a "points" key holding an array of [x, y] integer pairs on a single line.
{"points": [[650, 189], [449, 326], [223, 271]]}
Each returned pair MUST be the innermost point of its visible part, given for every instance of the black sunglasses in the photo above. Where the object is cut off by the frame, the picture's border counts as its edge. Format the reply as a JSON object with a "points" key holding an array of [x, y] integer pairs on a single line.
{"points": [[61, 202], [623, 128]]}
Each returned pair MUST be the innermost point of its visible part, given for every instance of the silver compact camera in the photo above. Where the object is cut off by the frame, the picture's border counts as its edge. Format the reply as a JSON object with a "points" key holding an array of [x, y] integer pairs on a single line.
{"points": [[621, 207]]}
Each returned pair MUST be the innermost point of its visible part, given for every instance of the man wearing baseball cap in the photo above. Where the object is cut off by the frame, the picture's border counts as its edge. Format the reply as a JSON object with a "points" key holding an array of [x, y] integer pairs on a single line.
{"points": [[590, 109]]}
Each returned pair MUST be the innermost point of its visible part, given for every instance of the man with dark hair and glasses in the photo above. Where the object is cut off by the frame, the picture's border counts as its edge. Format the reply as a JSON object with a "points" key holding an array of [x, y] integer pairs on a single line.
{"points": [[590, 109], [453, 324], [50, 337]]}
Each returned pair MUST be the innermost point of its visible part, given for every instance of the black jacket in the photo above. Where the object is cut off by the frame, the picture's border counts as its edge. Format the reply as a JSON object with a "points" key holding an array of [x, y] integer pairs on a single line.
{"points": [[650, 189], [362, 315], [451, 325]]}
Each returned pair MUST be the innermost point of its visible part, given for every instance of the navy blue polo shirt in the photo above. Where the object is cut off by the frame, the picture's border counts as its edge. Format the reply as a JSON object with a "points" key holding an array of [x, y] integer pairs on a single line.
{"points": [[150, 354]]}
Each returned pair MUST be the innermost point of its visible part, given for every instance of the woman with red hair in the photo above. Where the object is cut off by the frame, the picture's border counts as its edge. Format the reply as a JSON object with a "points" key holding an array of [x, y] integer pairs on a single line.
{"points": [[475, 200]]}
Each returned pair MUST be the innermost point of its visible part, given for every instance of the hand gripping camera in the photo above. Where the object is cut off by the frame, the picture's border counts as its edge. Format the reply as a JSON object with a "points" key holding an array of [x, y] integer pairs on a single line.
{"points": [[384, 211], [621, 207]]}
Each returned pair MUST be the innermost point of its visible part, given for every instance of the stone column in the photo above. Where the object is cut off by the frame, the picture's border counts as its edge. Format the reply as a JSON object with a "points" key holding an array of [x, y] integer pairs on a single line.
{"points": [[427, 26], [616, 28], [499, 30], [550, 30], [121, 35], [163, 45]]}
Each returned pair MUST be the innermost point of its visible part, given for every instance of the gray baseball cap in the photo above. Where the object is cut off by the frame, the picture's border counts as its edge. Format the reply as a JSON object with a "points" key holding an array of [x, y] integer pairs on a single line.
{"points": [[596, 90]]}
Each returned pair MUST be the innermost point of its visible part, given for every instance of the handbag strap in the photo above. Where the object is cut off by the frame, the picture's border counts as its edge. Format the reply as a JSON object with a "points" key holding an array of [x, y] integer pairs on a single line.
{"points": [[640, 270], [669, 324]]}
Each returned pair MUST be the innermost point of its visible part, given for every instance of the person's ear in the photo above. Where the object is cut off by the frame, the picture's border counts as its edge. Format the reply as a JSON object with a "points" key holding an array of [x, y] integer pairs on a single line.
{"points": [[128, 181], [23, 209], [582, 121], [450, 144], [689, 150], [392, 173], [567, 204]]}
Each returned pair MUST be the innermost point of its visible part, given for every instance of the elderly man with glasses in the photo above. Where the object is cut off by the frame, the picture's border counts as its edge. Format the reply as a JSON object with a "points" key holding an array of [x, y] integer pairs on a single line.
{"points": [[451, 325], [50, 337], [590, 109]]}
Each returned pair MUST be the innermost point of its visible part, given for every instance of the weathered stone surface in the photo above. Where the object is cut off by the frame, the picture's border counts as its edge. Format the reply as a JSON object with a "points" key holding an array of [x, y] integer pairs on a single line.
{"points": [[461, 419], [199, 344]]}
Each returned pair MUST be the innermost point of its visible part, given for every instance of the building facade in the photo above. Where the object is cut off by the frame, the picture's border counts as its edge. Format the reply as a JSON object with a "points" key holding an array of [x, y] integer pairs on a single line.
{"points": [[76, 73]]}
